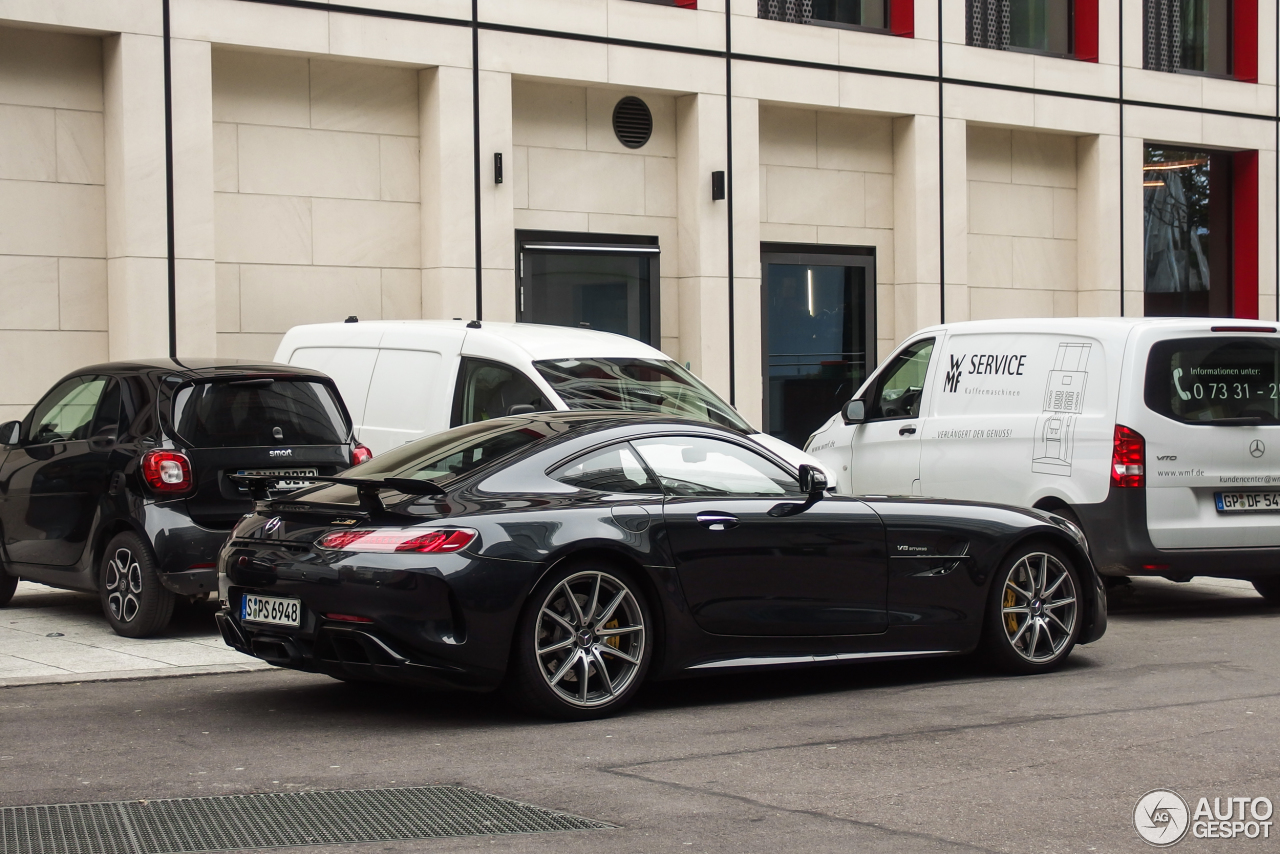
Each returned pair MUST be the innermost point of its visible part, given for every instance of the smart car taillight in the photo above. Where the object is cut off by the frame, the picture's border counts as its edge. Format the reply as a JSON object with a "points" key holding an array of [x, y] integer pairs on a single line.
{"points": [[360, 454], [398, 540], [167, 471], [1128, 458]]}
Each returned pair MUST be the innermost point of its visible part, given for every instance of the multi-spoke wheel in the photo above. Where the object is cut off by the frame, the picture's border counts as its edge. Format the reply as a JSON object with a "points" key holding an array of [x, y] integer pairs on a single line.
{"points": [[133, 599], [584, 643], [1033, 621]]}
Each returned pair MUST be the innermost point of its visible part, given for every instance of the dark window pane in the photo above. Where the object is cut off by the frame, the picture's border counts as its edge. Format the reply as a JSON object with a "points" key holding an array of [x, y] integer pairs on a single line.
{"points": [[490, 390], [610, 293], [1040, 25], [1202, 380], [861, 13], [898, 391], [1206, 35], [230, 414]]}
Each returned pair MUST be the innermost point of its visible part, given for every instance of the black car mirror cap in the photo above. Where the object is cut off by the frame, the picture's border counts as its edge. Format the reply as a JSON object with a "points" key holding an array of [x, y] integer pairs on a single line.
{"points": [[813, 481], [10, 432], [854, 412]]}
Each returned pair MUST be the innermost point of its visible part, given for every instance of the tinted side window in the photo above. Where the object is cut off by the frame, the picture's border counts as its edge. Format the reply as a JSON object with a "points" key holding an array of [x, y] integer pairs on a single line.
{"points": [[614, 469], [108, 416], [691, 465], [898, 391], [490, 389], [66, 413]]}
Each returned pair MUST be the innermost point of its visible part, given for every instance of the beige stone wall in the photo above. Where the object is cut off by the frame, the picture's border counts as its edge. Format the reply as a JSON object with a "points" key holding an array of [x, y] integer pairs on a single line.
{"points": [[53, 272], [316, 173], [1022, 224], [570, 173], [827, 178]]}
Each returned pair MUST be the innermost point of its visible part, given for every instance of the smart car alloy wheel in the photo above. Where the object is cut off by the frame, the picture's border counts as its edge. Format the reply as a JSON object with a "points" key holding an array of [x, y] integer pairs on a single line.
{"points": [[590, 639], [122, 582], [133, 599], [1038, 607]]}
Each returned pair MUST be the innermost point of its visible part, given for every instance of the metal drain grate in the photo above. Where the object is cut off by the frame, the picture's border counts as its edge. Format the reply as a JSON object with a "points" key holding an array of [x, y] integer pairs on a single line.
{"points": [[231, 822]]}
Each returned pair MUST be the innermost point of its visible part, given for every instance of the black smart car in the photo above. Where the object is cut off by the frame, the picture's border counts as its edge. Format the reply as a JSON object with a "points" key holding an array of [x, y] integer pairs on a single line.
{"points": [[117, 481], [572, 555]]}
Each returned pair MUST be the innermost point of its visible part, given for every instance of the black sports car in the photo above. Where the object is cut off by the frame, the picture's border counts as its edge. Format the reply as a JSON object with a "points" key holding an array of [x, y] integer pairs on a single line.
{"points": [[568, 557]]}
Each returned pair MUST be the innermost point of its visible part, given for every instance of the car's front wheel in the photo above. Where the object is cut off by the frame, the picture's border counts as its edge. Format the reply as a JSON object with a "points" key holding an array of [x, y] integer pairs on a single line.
{"points": [[133, 599], [1033, 616], [584, 643]]}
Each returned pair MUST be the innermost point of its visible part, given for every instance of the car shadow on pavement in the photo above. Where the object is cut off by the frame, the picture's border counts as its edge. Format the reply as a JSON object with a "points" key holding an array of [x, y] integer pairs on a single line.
{"points": [[1149, 599]]}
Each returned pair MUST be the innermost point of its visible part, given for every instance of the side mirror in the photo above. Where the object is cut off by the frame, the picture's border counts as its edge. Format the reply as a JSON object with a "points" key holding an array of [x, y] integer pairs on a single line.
{"points": [[854, 412], [10, 432], [103, 440], [520, 409], [813, 480]]}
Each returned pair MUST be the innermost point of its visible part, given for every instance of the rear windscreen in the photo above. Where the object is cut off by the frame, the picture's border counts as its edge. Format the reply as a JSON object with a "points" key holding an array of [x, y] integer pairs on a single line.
{"points": [[233, 414], [1207, 380]]}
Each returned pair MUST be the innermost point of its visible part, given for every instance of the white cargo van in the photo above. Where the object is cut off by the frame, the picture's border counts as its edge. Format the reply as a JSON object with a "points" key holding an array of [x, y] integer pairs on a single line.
{"points": [[1159, 437], [402, 380]]}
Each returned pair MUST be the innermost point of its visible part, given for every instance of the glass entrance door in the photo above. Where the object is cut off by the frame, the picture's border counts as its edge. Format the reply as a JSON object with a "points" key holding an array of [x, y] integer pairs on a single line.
{"points": [[578, 281], [819, 336]]}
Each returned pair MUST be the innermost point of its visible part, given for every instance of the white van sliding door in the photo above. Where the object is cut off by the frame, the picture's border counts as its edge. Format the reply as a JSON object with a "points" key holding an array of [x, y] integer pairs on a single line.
{"points": [[405, 399]]}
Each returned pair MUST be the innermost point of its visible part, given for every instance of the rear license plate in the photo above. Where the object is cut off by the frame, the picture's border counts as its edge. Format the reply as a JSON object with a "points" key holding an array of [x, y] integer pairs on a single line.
{"points": [[1247, 502], [290, 479], [271, 609]]}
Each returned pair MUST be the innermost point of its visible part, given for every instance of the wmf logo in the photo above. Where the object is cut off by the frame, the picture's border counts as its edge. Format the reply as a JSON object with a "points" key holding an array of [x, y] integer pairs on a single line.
{"points": [[952, 380], [1161, 817]]}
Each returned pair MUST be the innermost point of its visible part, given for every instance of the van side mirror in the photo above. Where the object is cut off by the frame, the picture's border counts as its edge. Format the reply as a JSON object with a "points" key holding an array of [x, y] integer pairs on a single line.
{"points": [[520, 409], [854, 412], [813, 480], [10, 432]]}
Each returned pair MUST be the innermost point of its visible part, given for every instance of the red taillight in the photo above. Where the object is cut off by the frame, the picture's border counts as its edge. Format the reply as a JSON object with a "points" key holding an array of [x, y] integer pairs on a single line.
{"points": [[402, 540], [347, 618], [167, 471], [1128, 458], [360, 454]]}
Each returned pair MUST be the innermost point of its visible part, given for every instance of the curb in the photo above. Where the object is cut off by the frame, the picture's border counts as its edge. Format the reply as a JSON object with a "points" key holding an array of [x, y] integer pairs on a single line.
{"points": [[133, 675]]}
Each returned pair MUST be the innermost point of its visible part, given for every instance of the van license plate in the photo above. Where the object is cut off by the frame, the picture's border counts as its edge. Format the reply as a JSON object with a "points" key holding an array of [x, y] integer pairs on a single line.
{"points": [[271, 609], [1247, 502]]}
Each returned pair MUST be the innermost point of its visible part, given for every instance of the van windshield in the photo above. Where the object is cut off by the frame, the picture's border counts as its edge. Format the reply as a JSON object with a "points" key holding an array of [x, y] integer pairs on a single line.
{"points": [[255, 412], [637, 385], [1215, 380]]}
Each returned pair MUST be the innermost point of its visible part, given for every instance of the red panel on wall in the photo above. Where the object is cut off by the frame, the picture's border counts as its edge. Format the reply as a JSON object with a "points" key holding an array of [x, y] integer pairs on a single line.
{"points": [[902, 18], [1244, 235], [687, 4], [1244, 40], [1086, 34]]}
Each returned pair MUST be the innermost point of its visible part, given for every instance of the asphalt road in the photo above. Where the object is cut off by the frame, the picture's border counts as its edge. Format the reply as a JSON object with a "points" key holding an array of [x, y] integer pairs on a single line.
{"points": [[919, 757]]}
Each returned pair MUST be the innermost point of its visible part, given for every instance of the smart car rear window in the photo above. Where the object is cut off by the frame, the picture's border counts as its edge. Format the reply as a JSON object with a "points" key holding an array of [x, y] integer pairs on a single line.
{"points": [[256, 412], [1215, 380]]}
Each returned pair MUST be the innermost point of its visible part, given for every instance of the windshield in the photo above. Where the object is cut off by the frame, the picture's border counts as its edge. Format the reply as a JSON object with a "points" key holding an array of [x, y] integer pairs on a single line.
{"points": [[245, 413], [637, 385], [1207, 380], [456, 452]]}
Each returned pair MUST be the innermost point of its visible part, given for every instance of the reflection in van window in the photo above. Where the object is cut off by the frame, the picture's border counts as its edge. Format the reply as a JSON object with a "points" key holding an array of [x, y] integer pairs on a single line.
{"points": [[899, 390], [637, 385], [491, 390], [1203, 380]]}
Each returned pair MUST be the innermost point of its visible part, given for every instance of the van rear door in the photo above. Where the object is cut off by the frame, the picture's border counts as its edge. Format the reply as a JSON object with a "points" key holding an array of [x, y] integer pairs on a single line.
{"points": [[1213, 451]]}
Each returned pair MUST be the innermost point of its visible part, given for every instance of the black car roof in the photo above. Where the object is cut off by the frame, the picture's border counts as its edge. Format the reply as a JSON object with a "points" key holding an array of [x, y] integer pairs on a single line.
{"points": [[198, 368]]}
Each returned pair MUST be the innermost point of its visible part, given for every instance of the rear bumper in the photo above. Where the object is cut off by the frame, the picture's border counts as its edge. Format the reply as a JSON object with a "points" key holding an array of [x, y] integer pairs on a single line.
{"points": [[1120, 545], [187, 553]]}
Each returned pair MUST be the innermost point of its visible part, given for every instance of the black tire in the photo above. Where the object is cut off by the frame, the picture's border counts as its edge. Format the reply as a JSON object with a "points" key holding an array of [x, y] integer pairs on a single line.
{"points": [[134, 601], [1024, 633], [8, 584], [604, 661], [1268, 588]]}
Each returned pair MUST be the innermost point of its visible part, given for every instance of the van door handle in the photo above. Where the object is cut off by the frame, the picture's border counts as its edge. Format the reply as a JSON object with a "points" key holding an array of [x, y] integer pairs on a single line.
{"points": [[717, 521], [909, 430]]}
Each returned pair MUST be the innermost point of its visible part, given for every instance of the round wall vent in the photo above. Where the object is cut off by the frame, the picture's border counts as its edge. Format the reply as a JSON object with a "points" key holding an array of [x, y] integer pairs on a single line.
{"points": [[632, 122]]}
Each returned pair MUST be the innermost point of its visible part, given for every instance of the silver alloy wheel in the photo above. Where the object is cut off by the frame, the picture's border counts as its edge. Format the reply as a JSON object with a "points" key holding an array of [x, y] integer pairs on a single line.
{"points": [[123, 581], [1038, 607], [590, 639]]}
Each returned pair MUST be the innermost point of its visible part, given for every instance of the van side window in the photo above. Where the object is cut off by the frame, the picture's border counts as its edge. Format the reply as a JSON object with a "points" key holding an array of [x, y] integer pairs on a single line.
{"points": [[898, 391], [490, 390]]}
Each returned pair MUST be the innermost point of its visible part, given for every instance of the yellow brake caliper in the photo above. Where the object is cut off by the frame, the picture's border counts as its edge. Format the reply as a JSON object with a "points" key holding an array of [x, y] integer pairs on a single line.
{"points": [[1010, 620], [613, 641]]}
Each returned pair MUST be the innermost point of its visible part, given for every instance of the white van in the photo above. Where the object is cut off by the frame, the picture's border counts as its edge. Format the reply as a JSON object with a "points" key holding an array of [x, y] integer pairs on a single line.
{"points": [[1159, 437], [404, 379]]}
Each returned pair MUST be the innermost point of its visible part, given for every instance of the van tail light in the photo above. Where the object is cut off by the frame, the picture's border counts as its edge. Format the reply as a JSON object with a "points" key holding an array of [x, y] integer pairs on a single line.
{"points": [[360, 454], [399, 540], [167, 472], [1128, 459]]}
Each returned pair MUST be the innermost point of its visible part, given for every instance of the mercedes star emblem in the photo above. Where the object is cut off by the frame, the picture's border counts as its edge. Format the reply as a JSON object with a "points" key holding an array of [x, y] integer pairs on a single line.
{"points": [[1256, 448]]}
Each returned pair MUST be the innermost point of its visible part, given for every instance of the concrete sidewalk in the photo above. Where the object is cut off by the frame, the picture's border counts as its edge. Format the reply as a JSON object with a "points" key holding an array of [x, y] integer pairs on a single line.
{"points": [[49, 635]]}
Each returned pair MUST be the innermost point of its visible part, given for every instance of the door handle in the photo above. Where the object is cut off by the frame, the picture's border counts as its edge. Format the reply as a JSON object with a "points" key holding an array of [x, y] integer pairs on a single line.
{"points": [[909, 430], [718, 521]]}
